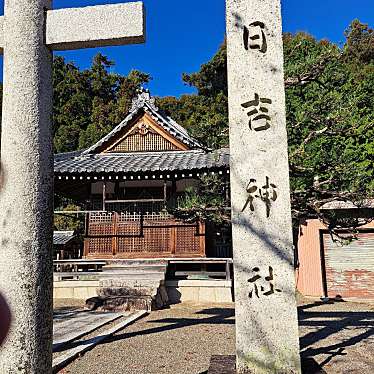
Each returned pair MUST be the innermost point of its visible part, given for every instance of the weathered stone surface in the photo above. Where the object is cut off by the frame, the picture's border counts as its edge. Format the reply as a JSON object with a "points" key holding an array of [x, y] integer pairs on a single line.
{"points": [[95, 26], [222, 365], [69, 326], [131, 287], [26, 197], [26, 212], [120, 303], [266, 319], [126, 291]]}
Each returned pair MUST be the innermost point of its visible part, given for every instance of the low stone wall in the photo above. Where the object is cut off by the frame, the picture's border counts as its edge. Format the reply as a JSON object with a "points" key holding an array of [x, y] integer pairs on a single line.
{"points": [[214, 291], [74, 289]]}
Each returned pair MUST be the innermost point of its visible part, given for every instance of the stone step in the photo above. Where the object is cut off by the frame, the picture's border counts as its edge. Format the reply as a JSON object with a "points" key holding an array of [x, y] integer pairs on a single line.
{"points": [[127, 291], [134, 283], [138, 262], [134, 276], [135, 268]]}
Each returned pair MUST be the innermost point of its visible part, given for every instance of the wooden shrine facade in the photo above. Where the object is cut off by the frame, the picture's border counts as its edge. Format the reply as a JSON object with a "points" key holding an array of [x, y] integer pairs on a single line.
{"points": [[128, 181], [123, 235]]}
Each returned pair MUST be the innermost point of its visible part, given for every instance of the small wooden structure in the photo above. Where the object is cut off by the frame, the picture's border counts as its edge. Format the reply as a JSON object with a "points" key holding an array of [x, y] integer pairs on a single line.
{"points": [[65, 245], [128, 180]]}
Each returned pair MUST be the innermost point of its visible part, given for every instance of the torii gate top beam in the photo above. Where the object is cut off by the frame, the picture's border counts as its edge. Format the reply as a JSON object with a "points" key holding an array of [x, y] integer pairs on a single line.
{"points": [[92, 26]]}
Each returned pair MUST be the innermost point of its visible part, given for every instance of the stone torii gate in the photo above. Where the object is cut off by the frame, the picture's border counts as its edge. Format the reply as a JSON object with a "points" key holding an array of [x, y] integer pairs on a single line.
{"points": [[31, 30]]}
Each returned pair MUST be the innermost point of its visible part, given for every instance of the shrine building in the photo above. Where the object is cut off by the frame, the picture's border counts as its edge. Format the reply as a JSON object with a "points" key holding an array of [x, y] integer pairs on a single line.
{"points": [[128, 182]]}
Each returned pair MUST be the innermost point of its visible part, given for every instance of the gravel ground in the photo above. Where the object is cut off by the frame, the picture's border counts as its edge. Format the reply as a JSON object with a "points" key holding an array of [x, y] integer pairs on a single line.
{"points": [[339, 336], [181, 340]]}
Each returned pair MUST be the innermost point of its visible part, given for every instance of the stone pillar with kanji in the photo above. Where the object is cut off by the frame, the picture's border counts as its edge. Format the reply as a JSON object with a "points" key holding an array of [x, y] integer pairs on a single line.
{"points": [[267, 339]]}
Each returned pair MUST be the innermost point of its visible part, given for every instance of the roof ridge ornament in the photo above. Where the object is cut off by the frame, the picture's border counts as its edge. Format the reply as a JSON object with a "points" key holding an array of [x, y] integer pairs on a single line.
{"points": [[143, 97]]}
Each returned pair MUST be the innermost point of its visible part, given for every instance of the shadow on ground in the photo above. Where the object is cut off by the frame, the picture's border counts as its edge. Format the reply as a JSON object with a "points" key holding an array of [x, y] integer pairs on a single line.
{"points": [[65, 314], [214, 316], [329, 333]]}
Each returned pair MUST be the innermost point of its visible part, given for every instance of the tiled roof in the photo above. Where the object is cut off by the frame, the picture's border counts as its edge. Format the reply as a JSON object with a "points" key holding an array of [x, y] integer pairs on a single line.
{"points": [[62, 237], [339, 204], [83, 163]]}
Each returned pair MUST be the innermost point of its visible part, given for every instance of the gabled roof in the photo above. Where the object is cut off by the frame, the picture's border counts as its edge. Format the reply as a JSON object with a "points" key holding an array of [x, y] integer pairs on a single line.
{"points": [[144, 103], [132, 163]]}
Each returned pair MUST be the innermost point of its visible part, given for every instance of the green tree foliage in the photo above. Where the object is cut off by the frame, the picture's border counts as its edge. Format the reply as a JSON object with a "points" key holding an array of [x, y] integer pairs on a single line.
{"points": [[69, 222], [205, 201], [330, 101], [89, 103], [329, 98], [330, 117]]}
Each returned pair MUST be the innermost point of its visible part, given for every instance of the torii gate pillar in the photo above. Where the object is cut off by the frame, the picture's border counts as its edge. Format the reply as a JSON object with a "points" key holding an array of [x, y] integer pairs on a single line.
{"points": [[30, 31]]}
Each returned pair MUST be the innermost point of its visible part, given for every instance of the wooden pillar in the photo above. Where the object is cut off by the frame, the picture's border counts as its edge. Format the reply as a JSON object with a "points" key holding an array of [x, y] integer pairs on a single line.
{"points": [[116, 191], [104, 196], [174, 193], [165, 193], [115, 233]]}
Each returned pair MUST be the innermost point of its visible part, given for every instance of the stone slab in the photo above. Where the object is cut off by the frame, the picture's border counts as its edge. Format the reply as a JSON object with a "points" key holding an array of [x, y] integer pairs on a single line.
{"points": [[199, 283], [133, 283], [70, 326], [265, 305], [86, 345], [136, 276], [95, 26], [75, 283]]}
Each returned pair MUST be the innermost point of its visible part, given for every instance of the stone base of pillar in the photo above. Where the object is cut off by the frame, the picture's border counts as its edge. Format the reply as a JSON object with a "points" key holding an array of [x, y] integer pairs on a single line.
{"points": [[222, 365]]}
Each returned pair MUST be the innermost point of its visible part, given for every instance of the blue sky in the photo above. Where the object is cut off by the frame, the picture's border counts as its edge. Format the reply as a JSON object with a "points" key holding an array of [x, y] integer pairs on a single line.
{"points": [[183, 34]]}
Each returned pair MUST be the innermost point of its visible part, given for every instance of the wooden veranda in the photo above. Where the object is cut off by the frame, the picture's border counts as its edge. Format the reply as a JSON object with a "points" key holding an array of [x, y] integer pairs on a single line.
{"points": [[125, 236]]}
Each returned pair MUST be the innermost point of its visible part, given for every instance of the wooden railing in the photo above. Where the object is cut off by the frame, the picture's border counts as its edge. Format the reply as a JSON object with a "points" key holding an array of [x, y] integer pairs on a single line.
{"points": [[123, 235]]}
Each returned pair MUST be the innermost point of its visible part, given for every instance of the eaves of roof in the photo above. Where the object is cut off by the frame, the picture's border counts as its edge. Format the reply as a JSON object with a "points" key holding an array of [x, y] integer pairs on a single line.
{"points": [[142, 162]]}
